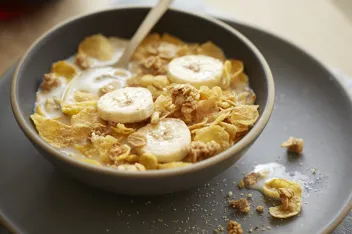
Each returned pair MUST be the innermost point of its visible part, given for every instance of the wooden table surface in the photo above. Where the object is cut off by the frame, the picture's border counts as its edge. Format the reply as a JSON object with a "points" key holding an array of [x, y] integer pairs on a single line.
{"points": [[321, 27]]}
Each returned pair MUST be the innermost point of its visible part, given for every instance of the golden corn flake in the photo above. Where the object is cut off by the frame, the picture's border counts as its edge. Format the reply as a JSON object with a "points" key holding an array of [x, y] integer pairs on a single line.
{"points": [[226, 77], [271, 187], [240, 82], [96, 46], [80, 96], [230, 129], [247, 97], [198, 125], [75, 108], [122, 129], [210, 49], [235, 71], [57, 133], [244, 115], [87, 118], [290, 205], [149, 161], [62, 68], [87, 150], [88, 161], [205, 108], [172, 165], [213, 133]]}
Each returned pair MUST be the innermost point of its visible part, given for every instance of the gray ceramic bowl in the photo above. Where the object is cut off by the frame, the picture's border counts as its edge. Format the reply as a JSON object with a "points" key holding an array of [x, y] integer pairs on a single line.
{"points": [[62, 41]]}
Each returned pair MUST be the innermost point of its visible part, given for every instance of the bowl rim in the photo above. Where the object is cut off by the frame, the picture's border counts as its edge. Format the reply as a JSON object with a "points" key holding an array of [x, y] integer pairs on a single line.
{"points": [[249, 138]]}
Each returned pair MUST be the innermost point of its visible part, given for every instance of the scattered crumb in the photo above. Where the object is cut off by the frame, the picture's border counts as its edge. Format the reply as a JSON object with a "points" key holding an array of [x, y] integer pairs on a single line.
{"points": [[230, 194], [240, 184], [234, 228], [294, 145], [241, 205], [314, 170], [249, 195], [260, 209], [250, 179]]}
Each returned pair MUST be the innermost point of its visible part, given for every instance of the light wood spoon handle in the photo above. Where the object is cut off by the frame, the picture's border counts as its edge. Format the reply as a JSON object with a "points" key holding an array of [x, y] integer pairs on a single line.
{"points": [[148, 23]]}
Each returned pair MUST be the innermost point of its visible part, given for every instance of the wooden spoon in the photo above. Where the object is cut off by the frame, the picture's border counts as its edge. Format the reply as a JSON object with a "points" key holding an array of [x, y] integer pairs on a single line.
{"points": [[150, 20]]}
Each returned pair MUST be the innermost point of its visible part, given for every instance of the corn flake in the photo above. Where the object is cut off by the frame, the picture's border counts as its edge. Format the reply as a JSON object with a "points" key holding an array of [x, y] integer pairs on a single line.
{"points": [[87, 150], [88, 161], [87, 118], [210, 49], [57, 133], [75, 108], [244, 115], [62, 68], [96, 46], [213, 133], [271, 187], [290, 205]]}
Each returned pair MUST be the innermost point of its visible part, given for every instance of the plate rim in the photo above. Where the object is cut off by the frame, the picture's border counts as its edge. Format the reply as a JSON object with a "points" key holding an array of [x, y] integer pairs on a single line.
{"points": [[335, 221]]}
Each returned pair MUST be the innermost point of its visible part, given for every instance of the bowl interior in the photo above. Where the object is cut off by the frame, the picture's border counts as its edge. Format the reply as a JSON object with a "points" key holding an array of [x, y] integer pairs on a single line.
{"points": [[62, 43]]}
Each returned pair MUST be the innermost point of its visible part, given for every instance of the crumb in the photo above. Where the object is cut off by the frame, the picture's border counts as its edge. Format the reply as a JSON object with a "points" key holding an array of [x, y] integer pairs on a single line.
{"points": [[50, 81], [260, 209], [240, 184], [249, 195], [294, 145], [314, 171], [234, 228], [250, 179], [230, 194], [241, 205]]}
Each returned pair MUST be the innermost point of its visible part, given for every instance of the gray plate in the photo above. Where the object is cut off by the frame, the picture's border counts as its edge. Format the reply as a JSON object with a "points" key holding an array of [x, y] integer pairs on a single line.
{"points": [[34, 198]]}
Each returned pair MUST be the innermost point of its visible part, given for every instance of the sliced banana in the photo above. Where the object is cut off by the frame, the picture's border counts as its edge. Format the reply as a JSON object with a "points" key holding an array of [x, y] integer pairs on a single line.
{"points": [[197, 70], [126, 105], [168, 141]]}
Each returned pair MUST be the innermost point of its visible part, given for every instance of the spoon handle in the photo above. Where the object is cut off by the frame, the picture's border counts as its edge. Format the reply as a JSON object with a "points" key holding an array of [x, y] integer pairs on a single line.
{"points": [[148, 23]]}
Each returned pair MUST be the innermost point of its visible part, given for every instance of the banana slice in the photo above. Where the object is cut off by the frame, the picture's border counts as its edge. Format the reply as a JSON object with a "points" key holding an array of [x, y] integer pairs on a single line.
{"points": [[168, 141], [126, 105], [197, 70]]}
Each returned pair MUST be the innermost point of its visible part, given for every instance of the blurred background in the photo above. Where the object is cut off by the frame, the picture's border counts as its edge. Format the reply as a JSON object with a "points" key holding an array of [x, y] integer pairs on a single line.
{"points": [[321, 27]]}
